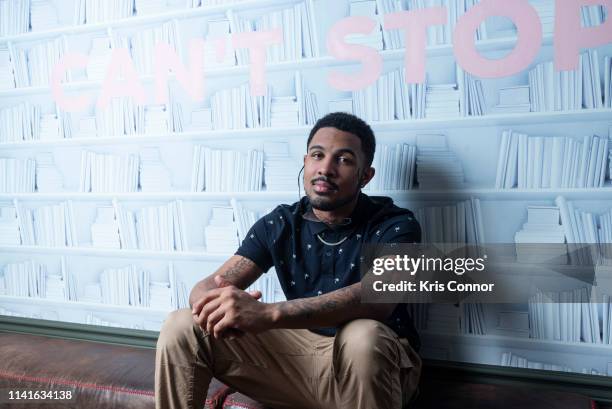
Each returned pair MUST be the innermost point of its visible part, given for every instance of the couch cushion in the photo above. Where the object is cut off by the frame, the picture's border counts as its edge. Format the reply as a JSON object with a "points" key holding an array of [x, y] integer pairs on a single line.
{"points": [[239, 401]]}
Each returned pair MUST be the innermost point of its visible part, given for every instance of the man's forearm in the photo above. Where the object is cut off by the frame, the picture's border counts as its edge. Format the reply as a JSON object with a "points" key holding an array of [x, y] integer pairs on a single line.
{"points": [[328, 310], [238, 271]]}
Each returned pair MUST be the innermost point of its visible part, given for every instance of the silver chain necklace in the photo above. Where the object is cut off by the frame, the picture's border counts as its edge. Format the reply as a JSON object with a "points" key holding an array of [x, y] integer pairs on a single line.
{"points": [[332, 244]]}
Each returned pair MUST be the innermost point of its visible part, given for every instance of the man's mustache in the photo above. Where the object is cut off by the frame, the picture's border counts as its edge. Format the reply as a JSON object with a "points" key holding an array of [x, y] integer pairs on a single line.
{"points": [[324, 179]]}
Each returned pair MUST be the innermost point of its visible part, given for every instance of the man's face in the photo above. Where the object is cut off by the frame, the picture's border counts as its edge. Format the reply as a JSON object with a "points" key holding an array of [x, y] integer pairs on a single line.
{"points": [[333, 168]]}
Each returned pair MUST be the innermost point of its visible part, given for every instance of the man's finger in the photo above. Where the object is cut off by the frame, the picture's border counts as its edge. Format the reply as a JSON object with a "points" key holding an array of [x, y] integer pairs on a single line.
{"points": [[209, 296], [256, 294], [206, 310], [214, 317], [220, 329]]}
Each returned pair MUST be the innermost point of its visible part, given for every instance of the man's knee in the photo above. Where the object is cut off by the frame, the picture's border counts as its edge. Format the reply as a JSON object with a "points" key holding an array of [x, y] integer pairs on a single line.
{"points": [[178, 331], [365, 346]]}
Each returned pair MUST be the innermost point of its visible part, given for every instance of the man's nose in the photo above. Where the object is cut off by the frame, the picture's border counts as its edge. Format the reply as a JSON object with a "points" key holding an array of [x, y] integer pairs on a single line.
{"points": [[326, 167]]}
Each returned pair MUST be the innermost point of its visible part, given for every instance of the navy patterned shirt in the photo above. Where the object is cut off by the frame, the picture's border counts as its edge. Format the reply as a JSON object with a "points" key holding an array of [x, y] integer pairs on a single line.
{"points": [[311, 258]]}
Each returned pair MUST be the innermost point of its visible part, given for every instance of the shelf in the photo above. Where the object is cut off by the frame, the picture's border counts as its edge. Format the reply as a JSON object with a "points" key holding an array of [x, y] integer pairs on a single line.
{"points": [[499, 341], [97, 252], [291, 196], [143, 20], [94, 307], [583, 115], [444, 50]]}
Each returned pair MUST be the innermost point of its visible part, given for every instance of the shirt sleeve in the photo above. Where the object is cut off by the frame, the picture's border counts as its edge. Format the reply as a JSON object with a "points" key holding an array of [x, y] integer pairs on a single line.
{"points": [[255, 246]]}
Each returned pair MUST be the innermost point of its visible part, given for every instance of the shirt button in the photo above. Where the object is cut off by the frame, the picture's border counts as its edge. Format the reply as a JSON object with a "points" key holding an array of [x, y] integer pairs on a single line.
{"points": [[328, 253]]}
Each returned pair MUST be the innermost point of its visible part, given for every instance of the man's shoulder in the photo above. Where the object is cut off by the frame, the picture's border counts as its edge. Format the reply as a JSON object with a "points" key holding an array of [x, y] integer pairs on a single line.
{"points": [[386, 211]]}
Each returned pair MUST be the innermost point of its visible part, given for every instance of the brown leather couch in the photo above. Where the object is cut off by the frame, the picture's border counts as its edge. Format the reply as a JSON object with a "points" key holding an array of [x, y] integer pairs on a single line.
{"points": [[105, 376]]}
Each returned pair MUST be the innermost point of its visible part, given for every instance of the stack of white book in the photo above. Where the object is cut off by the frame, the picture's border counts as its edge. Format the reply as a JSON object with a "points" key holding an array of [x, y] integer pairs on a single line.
{"points": [[592, 97], [388, 99], [443, 318], [14, 17], [17, 175], [43, 15], [144, 7], [25, 218], [42, 59], [178, 290], [156, 119], [516, 361], [472, 100], [299, 33], [442, 101], [436, 34], [201, 120], [366, 8], [125, 286], [9, 227], [244, 218], [87, 127], [437, 166], [284, 112], [20, 123], [513, 323], [154, 175], [7, 80], [219, 32], [566, 90], [607, 82], [542, 162], [542, 226], [395, 168], [120, 117], [280, 170], [582, 227], [50, 127], [104, 173], [69, 280], [513, 100], [26, 279], [143, 43], [92, 293], [99, 58], [48, 177], [54, 225], [226, 171], [472, 319], [98, 11], [55, 288], [175, 117], [307, 101], [105, 229], [460, 223], [235, 108], [21, 75], [161, 295], [569, 316], [158, 228], [221, 233]]}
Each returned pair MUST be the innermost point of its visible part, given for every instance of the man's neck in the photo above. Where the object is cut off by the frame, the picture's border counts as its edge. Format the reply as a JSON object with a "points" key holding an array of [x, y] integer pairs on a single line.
{"points": [[336, 216]]}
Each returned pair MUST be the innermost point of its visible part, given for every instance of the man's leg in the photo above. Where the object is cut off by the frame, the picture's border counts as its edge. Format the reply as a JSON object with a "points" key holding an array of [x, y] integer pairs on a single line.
{"points": [[275, 367], [371, 368]]}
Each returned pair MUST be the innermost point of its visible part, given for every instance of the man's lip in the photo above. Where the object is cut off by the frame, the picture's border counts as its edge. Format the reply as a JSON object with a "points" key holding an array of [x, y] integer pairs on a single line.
{"points": [[323, 187]]}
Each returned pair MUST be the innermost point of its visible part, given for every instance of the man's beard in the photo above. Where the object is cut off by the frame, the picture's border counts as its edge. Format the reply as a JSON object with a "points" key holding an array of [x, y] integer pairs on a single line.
{"points": [[326, 204]]}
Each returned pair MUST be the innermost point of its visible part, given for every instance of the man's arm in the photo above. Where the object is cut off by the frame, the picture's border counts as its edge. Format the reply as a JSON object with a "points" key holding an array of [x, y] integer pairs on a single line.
{"points": [[327, 310], [237, 271]]}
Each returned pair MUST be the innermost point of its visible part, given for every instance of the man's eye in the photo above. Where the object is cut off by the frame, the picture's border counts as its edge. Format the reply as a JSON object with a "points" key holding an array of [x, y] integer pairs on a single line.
{"points": [[344, 159], [317, 155]]}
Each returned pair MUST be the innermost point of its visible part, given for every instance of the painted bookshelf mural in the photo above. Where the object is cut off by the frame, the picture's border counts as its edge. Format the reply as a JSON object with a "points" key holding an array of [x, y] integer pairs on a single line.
{"points": [[111, 211]]}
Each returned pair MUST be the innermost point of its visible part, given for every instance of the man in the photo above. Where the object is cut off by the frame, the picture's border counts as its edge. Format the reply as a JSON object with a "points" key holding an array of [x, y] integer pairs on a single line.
{"points": [[322, 348]]}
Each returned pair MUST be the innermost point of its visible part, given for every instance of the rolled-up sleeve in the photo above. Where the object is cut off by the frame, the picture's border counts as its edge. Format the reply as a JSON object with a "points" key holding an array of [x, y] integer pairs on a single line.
{"points": [[255, 246]]}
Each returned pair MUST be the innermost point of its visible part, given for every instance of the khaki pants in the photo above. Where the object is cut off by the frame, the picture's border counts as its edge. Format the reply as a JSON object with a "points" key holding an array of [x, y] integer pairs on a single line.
{"points": [[365, 366]]}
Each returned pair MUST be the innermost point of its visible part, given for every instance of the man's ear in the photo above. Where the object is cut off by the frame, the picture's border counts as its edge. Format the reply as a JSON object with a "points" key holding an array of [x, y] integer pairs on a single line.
{"points": [[368, 174], [305, 155]]}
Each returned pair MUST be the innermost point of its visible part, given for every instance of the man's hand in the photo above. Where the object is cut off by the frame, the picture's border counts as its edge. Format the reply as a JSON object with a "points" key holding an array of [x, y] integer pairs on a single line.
{"points": [[229, 311]]}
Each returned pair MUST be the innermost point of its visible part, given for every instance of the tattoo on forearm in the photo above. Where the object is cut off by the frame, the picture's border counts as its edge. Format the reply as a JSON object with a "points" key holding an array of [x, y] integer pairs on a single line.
{"points": [[307, 308], [236, 272]]}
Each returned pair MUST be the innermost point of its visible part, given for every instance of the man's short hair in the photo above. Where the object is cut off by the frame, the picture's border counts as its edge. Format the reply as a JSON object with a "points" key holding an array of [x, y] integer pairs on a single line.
{"points": [[352, 124]]}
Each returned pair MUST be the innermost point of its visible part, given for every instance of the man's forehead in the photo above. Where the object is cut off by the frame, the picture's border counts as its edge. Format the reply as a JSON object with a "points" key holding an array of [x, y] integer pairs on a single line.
{"points": [[333, 138]]}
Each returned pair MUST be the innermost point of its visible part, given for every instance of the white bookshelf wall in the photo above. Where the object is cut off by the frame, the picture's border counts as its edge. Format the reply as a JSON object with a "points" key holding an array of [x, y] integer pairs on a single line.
{"points": [[164, 151]]}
